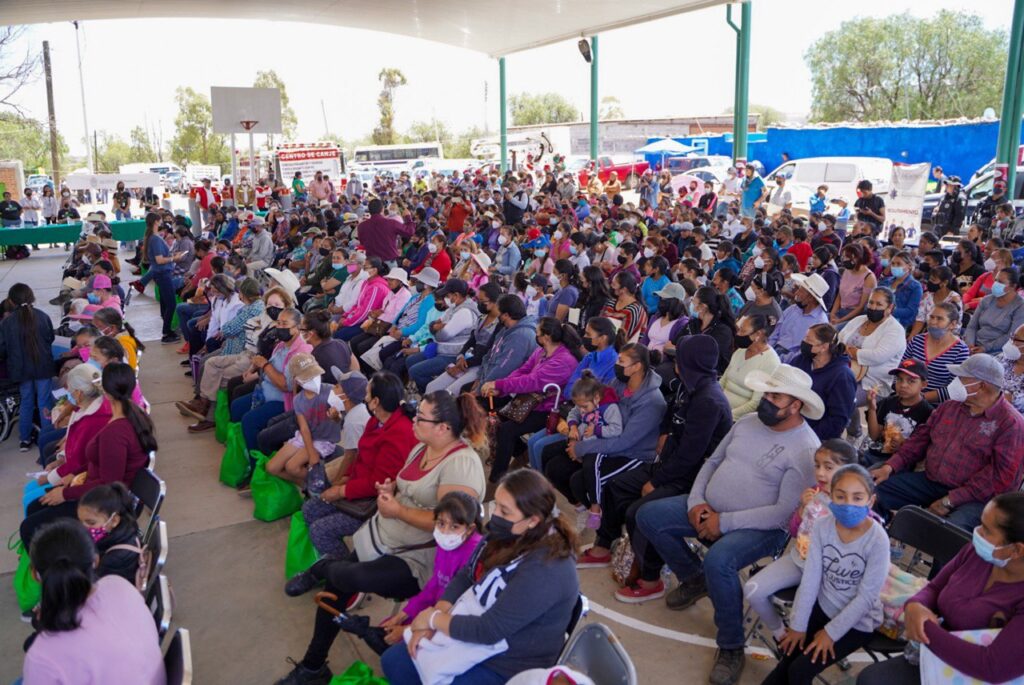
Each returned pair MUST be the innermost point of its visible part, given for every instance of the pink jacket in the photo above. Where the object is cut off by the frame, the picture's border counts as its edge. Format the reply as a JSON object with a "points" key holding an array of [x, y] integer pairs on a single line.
{"points": [[538, 371], [393, 304], [372, 296], [84, 424]]}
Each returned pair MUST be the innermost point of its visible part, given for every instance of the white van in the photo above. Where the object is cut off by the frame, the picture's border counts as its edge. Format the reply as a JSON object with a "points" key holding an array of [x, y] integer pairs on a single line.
{"points": [[840, 174]]}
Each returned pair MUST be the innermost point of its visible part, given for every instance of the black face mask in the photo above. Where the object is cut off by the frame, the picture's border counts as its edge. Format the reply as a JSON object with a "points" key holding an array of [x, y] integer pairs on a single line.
{"points": [[420, 287], [500, 529], [874, 315], [282, 334], [742, 341], [273, 312], [848, 264], [768, 413], [620, 373], [440, 305], [664, 306], [933, 287], [324, 252], [925, 267], [483, 307], [623, 259], [805, 348], [589, 344]]}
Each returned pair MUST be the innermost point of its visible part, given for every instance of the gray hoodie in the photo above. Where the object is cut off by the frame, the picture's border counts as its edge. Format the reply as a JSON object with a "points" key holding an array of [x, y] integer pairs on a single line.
{"points": [[510, 349], [641, 418]]}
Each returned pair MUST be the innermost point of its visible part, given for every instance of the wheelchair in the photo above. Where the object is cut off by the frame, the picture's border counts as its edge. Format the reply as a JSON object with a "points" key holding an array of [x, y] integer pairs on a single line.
{"points": [[10, 406]]}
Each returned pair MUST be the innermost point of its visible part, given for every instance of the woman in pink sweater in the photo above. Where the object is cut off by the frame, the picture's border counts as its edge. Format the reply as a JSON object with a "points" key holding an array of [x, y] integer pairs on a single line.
{"points": [[371, 298], [90, 413]]}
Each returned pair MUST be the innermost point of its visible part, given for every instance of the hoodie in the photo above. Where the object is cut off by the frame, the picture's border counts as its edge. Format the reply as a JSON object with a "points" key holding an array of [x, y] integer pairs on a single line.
{"points": [[539, 371], [641, 415], [837, 388], [510, 349]]}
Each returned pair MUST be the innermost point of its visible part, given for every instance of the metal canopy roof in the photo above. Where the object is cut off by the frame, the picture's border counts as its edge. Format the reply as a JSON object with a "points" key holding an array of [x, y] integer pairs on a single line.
{"points": [[492, 27]]}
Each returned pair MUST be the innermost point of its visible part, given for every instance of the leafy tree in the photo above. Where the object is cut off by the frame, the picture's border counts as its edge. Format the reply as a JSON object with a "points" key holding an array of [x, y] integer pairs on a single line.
{"points": [[902, 67], [769, 115], [28, 140], [390, 78], [270, 79], [611, 108], [111, 152], [459, 147], [16, 70], [542, 108], [428, 131], [142, 150], [194, 140]]}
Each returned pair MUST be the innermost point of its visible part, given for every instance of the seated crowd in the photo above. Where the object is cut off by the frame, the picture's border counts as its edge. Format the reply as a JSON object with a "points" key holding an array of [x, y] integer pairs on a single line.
{"points": [[705, 386]]}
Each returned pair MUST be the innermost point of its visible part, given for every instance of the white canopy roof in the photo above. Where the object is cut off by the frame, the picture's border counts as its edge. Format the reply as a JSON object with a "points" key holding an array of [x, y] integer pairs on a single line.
{"points": [[665, 146], [493, 27]]}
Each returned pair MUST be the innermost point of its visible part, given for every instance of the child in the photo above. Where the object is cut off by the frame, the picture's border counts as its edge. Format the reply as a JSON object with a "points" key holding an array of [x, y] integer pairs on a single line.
{"points": [[787, 570], [838, 600], [106, 511], [457, 526], [892, 420], [317, 434], [596, 414]]}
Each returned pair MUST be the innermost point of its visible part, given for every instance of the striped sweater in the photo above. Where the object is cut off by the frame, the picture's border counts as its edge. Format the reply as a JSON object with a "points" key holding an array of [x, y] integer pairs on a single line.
{"points": [[939, 376]]}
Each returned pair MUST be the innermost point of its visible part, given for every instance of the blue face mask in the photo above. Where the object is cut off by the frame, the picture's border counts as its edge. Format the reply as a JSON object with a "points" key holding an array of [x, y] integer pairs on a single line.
{"points": [[93, 298], [693, 310], [899, 271], [572, 249], [885, 263], [984, 549], [848, 515], [95, 364], [998, 289]]}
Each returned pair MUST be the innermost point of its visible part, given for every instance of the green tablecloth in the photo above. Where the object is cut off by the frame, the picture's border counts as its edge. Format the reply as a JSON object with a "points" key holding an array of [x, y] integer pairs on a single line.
{"points": [[67, 233]]}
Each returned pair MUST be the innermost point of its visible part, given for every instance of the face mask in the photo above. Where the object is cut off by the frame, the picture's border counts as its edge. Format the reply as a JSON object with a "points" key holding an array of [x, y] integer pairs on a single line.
{"points": [[874, 315], [497, 225], [420, 287], [464, 256], [806, 348], [273, 312], [335, 402], [936, 332], [648, 252], [93, 298], [693, 310], [440, 305], [450, 302], [308, 244], [998, 289], [483, 307], [589, 344], [312, 385], [432, 248], [848, 264], [933, 287], [1011, 351], [768, 413], [990, 264], [885, 263], [848, 515], [958, 391], [95, 364], [337, 265], [531, 292], [572, 250], [324, 252], [101, 532], [984, 549], [557, 235], [742, 341], [502, 240], [620, 373], [924, 267], [540, 253], [500, 529], [757, 250], [352, 268], [899, 271], [448, 541], [623, 259], [750, 294], [758, 263]]}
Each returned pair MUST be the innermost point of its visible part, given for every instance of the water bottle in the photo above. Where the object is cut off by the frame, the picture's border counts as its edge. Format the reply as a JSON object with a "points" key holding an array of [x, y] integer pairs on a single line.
{"points": [[896, 551], [912, 652], [666, 575]]}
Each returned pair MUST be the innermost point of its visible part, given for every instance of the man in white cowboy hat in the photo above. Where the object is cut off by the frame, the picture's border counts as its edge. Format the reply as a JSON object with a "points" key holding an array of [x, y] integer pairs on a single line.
{"points": [[284, 278], [808, 309], [739, 506]]}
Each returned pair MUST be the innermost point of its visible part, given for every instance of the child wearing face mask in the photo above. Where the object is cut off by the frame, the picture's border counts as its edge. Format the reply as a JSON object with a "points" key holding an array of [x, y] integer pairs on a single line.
{"points": [[457, 526], [317, 434], [596, 414], [106, 511]]}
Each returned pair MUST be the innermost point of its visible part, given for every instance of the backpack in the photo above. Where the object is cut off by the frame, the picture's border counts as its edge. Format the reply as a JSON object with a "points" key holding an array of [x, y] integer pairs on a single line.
{"points": [[145, 563], [17, 252]]}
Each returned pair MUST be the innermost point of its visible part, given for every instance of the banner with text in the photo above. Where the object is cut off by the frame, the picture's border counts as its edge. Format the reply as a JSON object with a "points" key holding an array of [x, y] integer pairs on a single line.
{"points": [[905, 199]]}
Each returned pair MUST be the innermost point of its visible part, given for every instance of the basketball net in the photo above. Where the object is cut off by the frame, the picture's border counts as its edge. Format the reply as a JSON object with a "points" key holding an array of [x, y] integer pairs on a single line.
{"points": [[248, 124]]}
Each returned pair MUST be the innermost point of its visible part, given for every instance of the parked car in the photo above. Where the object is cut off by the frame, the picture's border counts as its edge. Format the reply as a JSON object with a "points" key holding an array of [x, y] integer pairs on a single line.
{"points": [[840, 174], [629, 171], [175, 182], [37, 182], [687, 164], [715, 174]]}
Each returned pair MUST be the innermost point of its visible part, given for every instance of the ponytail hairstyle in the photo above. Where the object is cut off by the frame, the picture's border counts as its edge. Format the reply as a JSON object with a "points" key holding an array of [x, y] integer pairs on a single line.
{"points": [[534, 496], [717, 303], [21, 299], [152, 223], [463, 415], [111, 317], [462, 508], [119, 383], [112, 499], [826, 333], [110, 348], [569, 270], [638, 353], [604, 327], [561, 333], [63, 557]]}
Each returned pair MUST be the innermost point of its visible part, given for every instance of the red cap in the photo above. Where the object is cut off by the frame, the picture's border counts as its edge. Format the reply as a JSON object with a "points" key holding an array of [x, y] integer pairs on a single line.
{"points": [[532, 233]]}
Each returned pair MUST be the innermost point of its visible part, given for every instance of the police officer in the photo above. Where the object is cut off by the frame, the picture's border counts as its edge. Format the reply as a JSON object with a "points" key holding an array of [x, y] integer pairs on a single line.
{"points": [[948, 215], [986, 212]]}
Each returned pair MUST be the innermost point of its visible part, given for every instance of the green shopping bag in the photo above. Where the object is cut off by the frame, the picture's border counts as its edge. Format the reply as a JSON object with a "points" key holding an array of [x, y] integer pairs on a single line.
{"points": [[272, 498], [222, 415], [26, 588], [300, 553], [358, 674], [234, 465]]}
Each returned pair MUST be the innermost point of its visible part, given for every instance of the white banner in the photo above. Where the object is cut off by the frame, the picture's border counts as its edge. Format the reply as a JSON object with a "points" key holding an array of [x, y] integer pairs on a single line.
{"points": [[905, 199], [110, 181], [309, 161]]}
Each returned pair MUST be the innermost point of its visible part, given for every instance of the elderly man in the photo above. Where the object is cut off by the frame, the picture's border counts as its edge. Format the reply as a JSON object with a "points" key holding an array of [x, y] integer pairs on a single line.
{"points": [[972, 446], [808, 310], [740, 505], [261, 252]]}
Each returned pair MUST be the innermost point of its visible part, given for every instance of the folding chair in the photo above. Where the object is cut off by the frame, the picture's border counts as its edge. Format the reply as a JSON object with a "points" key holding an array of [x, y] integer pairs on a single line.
{"points": [[160, 606], [149, 491], [178, 659], [597, 653], [579, 610], [157, 548]]}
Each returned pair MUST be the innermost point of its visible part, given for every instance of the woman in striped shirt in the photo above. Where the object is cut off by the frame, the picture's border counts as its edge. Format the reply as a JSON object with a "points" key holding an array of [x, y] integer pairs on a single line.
{"points": [[938, 348]]}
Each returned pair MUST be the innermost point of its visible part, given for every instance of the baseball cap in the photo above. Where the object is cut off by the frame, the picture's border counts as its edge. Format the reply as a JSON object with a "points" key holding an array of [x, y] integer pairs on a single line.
{"points": [[303, 367], [101, 281], [454, 285], [672, 291], [352, 383], [912, 367], [983, 367]]}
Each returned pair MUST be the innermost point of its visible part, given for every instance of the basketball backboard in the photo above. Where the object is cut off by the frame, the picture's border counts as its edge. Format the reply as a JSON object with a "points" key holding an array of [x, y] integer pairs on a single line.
{"points": [[232, 106]]}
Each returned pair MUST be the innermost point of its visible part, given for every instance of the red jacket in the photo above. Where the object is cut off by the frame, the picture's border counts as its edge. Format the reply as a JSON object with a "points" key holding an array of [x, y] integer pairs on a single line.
{"points": [[440, 261], [85, 426], [199, 195], [383, 450]]}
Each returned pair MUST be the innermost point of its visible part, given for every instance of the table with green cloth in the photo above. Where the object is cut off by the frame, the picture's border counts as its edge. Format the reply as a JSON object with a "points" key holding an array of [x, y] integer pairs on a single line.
{"points": [[53, 234]]}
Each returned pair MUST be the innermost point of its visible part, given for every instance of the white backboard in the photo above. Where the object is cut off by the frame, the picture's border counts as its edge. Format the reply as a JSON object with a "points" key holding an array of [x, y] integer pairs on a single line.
{"points": [[232, 106]]}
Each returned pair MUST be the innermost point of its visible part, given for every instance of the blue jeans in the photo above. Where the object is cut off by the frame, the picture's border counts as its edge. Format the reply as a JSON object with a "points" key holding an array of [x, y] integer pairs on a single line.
{"points": [[914, 487], [254, 420], [398, 668], [164, 281], [664, 523], [122, 216], [536, 444], [422, 371], [187, 312], [35, 394]]}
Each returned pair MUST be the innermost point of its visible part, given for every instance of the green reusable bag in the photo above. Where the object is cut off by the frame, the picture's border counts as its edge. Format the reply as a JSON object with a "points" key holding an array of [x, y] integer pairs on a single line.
{"points": [[300, 553], [358, 674], [26, 588], [234, 465], [272, 497], [222, 416]]}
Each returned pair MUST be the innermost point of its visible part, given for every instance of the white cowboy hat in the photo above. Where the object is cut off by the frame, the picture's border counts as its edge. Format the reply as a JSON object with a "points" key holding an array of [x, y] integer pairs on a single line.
{"points": [[482, 260], [815, 285], [285, 279], [400, 275], [429, 276], [788, 380]]}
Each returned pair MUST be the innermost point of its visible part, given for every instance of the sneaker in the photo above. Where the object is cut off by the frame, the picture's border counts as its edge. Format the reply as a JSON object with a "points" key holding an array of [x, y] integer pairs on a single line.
{"points": [[202, 427], [588, 560], [593, 521], [300, 583], [183, 350], [24, 445], [300, 675], [687, 593], [27, 616], [728, 667], [638, 594], [170, 339], [189, 373], [184, 362]]}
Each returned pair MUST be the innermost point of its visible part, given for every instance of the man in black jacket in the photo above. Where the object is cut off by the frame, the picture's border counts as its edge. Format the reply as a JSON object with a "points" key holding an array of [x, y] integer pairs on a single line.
{"points": [[948, 215], [986, 212]]}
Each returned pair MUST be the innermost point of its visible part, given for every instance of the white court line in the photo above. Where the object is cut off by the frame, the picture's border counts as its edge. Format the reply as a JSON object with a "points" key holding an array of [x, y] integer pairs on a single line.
{"points": [[687, 638]]}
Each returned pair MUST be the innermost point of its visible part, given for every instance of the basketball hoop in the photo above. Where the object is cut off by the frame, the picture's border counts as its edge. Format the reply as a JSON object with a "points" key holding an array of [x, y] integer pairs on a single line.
{"points": [[248, 124]]}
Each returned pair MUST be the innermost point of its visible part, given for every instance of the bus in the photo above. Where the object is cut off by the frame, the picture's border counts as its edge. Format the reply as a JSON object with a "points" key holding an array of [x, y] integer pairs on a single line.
{"points": [[384, 156]]}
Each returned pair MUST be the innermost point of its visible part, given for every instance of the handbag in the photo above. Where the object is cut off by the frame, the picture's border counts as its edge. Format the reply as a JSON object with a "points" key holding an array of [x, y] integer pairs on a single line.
{"points": [[360, 509], [520, 407], [234, 465], [378, 328], [624, 565]]}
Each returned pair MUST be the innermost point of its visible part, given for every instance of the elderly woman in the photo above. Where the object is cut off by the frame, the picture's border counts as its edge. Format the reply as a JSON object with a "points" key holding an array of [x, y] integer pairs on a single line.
{"points": [[999, 314], [1013, 368], [82, 414]]}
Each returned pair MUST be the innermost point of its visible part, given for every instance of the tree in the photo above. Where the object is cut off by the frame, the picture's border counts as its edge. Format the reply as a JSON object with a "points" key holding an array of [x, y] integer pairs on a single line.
{"points": [[390, 79], [142, 150], [16, 70], [270, 79], [611, 108], [542, 108], [194, 139], [428, 131], [769, 115], [27, 140], [459, 148], [111, 152], [901, 67]]}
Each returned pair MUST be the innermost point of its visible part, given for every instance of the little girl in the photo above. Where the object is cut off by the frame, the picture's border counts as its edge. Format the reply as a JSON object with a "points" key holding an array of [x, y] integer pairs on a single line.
{"points": [[457, 526], [596, 414], [786, 571], [106, 511], [838, 601], [317, 434]]}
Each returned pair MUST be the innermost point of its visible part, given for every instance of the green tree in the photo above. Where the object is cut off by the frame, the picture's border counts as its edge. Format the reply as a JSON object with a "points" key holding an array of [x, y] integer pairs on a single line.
{"points": [[270, 79], [194, 140], [28, 140], [459, 148], [390, 78], [611, 108], [142, 150], [541, 108], [902, 67], [111, 152], [769, 115], [429, 131]]}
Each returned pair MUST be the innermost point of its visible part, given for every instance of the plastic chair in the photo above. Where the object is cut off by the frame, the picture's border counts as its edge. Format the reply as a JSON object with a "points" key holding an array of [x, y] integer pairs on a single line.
{"points": [[157, 548], [178, 659], [598, 654], [160, 606], [149, 491]]}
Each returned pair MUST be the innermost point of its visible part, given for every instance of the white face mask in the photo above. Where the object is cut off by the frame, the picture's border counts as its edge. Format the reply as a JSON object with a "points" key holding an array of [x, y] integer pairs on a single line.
{"points": [[432, 248], [758, 263], [1011, 351], [958, 391], [497, 224], [757, 250], [558, 235], [464, 255], [502, 240], [990, 264], [750, 294], [530, 292], [335, 402], [448, 541], [312, 385], [648, 252]]}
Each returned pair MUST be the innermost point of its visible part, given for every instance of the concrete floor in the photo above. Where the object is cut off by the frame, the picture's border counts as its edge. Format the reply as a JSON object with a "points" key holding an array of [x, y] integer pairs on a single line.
{"points": [[227, 570]]}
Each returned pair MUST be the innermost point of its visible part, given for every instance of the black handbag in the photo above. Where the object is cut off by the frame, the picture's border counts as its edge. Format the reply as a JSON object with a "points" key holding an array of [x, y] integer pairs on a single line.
{"points": [[360, 509]]}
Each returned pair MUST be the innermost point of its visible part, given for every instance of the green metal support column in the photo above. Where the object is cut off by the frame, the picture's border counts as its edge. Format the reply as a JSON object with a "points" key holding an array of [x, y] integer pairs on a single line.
{"points": [[503, 126], [594, 141], [1013, 101], [740, 107]]}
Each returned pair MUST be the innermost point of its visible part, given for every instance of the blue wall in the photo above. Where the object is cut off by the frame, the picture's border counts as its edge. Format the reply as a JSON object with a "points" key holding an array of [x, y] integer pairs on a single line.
{"points": [[960, 149]]}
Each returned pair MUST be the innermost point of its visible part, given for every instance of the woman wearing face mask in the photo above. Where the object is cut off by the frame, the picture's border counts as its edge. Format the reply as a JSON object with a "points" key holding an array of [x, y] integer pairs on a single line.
{"points": [[711, 314], [822, 263], [568, 293], [595, 294], [726, 283], [937, 348], [824, 359], [371, 298], [655, 279], [508, 258], [752, 354], [579, 249], [669, 321], [940, 286], [417, 312], [981, 588], [439, 257], [998, 315], [727, 256], [626, 307], [875, 341], [855, 286], [64, 452], [1000, 259], [465, 369], [967, 263], [907, 289], [627, 256], [1013, 365], [106, 350], [762, 296], [108, 514]]}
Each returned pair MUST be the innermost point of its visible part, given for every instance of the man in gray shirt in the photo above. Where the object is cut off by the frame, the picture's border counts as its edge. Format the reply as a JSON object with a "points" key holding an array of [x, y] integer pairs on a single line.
{"points": [[739, 506], [261, 253]]}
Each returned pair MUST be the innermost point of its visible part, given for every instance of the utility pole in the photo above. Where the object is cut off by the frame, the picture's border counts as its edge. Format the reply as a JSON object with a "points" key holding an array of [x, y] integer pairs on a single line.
{"points": [[85, 119], [54, 152]]}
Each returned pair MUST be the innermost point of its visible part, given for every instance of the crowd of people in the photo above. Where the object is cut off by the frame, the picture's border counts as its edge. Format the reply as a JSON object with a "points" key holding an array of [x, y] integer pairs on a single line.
{"points": [[703, 382]]}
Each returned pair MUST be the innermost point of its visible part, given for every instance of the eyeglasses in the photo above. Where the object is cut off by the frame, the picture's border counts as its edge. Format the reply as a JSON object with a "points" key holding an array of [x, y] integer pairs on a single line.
{"points": [[419, 418]]}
